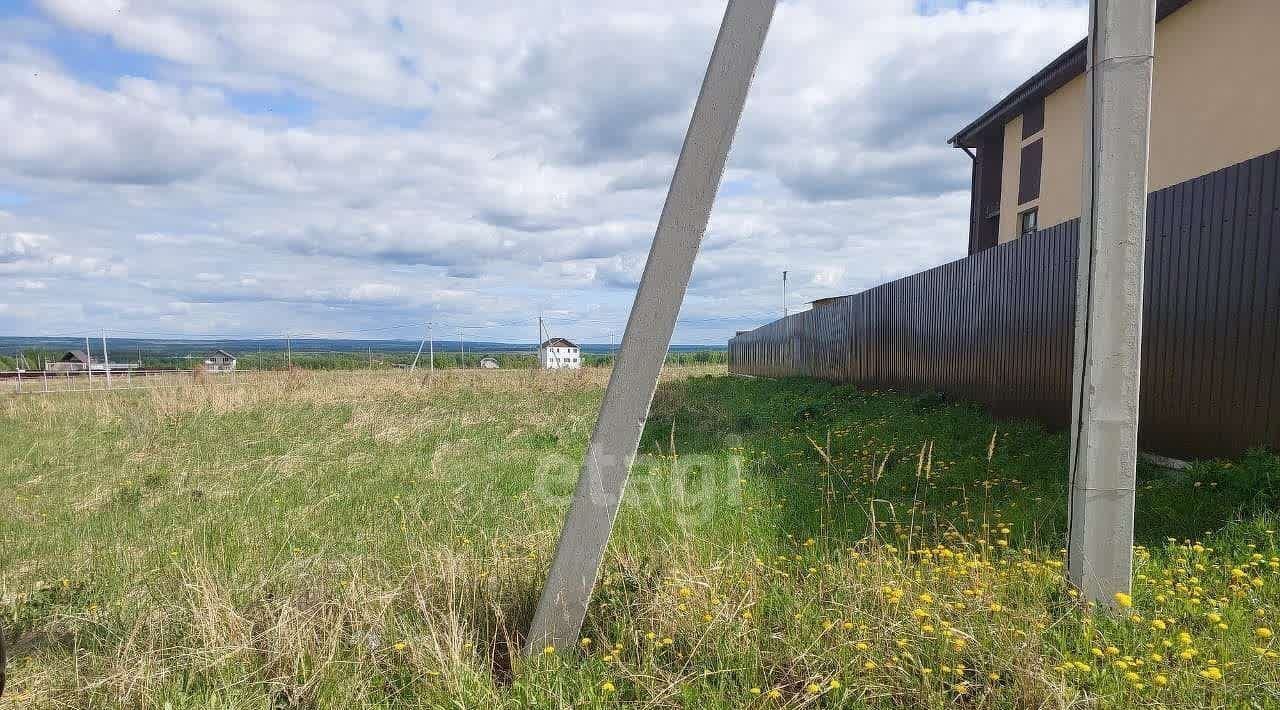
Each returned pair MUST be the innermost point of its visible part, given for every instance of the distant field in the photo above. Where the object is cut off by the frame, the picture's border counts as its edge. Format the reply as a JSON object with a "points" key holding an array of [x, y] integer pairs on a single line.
{"points": [[328, 540]]}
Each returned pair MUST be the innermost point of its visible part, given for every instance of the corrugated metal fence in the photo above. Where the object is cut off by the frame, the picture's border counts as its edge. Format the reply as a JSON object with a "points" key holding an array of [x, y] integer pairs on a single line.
{"points": [[996, 327]]}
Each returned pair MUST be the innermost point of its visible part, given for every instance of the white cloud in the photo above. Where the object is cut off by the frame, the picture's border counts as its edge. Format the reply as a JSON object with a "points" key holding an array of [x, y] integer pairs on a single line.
{"points": [[343, 166], [20, 245], [374, 292]]}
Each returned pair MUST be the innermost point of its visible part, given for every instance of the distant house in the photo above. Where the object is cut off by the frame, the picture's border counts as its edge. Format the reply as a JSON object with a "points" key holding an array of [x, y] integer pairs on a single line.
{"points": [[80, 361], [559, 354], [71, 361], [220, 361], [489, 363]]}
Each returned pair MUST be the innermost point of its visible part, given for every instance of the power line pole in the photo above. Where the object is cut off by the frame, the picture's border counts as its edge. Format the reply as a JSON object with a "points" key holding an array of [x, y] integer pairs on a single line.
{"points": [[1108, 340], [563, 604], [463, 344], [88, 365], [414, 366], [541, 340], [784, 294], [288, 347], [431, 358], [106, 359]]}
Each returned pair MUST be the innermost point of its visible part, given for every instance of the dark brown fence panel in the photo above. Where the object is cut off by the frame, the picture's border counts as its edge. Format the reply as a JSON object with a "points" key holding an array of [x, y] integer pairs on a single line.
{"points": [[997, 327]]}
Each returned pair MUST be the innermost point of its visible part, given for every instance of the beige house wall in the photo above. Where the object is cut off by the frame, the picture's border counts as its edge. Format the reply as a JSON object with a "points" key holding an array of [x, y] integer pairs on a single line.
{"points": [[1215, 101], [1009, 180], [1060, 179]]}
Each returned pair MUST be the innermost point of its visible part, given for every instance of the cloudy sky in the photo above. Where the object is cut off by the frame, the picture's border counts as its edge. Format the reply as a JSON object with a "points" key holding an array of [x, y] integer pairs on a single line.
{"points": [[356, 168]]}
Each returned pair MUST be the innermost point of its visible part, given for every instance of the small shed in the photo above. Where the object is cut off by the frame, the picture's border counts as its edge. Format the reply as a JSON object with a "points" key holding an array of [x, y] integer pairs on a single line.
{"points": [[220, 361], [489, 363], [71, 361]]}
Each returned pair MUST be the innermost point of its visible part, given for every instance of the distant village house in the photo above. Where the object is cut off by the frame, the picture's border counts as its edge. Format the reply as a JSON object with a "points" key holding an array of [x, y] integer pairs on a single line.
{"points": [[71, 361], [80, 361], [220, 361], [559, 354]]}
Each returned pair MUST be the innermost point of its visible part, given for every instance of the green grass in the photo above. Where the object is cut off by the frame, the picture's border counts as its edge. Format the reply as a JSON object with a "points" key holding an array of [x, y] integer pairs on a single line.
{"points": [[319, 540]]}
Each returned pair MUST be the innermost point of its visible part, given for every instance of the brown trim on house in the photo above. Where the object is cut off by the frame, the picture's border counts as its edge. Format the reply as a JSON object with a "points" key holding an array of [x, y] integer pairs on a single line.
{"points": [[1033, 118], [984, 207], [1029, 171]]}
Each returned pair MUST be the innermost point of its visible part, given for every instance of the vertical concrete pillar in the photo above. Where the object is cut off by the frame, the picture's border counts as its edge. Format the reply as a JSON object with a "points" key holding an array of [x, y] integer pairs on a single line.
{"points": [[1104, 432]]}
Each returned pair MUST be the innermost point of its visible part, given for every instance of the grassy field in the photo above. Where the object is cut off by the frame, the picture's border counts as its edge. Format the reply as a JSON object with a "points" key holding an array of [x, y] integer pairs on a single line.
{"points": [[318, 540]]}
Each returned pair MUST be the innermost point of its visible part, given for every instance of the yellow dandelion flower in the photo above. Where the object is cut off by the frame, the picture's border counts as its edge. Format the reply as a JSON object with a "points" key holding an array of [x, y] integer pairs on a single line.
{"points": [[607, 687], [1123, 599]]}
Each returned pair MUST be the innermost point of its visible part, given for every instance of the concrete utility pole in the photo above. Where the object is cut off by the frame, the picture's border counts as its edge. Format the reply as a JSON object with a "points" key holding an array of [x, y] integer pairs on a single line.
{"points": [[106, 359], [462, 344], [1104, 431], [288, 348], [431, 357], [563, 605], [784, 294], [421, 343], [88, 366]]}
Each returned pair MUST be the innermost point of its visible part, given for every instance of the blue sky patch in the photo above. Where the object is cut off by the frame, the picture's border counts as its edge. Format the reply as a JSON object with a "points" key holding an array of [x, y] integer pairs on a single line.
{"points": [[94, 59], [11, 198]]}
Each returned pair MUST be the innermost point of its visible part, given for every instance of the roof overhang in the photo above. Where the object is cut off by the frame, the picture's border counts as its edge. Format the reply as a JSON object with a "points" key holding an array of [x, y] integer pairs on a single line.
{"points": [[1066, 67]]}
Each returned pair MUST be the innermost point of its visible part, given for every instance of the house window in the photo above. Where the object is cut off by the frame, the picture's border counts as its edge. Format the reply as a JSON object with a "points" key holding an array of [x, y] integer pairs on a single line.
{"points": [[1027, 222]]}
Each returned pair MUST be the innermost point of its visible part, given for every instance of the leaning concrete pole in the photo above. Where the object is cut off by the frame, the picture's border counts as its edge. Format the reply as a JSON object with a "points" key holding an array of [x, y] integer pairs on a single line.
{"points": [[1104, 432], [563, 605]]}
